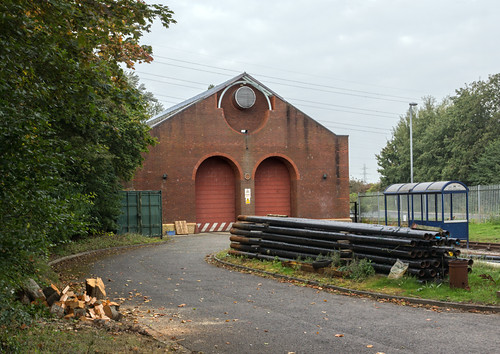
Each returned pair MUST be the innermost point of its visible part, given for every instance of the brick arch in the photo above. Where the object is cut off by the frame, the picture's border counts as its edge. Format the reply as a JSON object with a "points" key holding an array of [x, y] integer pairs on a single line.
{"points": [[275, 186], [234, 165], [250, 120], [215, 193], [292, 167]]}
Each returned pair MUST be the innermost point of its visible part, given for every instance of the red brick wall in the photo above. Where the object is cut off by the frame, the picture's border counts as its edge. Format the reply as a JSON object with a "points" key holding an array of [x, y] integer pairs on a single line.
{"points": [[203, 130]]}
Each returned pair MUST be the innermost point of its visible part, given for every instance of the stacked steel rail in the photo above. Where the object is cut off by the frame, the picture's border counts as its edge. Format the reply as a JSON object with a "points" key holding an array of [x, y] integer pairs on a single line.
{"points": [[264, 237]]}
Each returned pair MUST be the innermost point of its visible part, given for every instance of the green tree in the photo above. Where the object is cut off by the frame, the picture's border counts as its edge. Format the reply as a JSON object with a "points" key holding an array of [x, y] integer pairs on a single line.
{"points": [[473, 122], [449, 138], [394, 158], [150, 101], [430, 130], [358, 186], [486, 170], [71, 126]]}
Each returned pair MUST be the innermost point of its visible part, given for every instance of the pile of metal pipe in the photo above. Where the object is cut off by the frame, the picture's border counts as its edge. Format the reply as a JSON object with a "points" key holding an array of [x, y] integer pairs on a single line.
{"points": [[265, 237]]}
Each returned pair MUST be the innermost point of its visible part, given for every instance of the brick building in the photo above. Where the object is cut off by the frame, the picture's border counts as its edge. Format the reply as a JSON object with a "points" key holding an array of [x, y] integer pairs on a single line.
{"points": [[239, 148]]}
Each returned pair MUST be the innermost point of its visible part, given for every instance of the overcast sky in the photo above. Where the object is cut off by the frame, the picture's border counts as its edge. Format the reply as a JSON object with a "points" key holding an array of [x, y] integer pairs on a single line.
{"points": [[354, 66]]}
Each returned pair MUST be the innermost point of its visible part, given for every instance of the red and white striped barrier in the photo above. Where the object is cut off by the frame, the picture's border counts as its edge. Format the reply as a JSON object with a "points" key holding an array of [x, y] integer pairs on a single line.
{"points": [[215, 227]]}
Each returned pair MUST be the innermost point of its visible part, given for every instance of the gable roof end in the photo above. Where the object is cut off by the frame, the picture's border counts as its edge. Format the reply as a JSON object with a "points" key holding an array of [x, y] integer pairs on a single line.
{"points": [[189, 102]]}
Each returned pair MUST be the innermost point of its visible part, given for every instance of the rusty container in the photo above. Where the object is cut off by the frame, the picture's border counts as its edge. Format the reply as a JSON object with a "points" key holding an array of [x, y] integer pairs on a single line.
{"points": [[459, 275]]}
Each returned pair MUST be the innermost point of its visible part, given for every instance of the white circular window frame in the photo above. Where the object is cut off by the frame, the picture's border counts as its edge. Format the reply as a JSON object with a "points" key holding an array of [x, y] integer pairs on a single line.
{"points": [[245, 97], [239, 83]]}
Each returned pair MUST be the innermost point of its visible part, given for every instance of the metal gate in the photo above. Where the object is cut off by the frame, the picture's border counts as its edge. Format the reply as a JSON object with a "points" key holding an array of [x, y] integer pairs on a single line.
{"points": [[141, 213]]}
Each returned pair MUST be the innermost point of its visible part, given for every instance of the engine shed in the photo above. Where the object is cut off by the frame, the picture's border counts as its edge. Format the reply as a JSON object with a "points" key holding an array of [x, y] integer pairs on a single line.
{"points": [[240, 148]]}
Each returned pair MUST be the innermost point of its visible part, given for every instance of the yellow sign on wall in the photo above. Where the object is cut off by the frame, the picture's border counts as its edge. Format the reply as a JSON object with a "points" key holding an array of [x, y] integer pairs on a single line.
{"points": [[248, 194]]}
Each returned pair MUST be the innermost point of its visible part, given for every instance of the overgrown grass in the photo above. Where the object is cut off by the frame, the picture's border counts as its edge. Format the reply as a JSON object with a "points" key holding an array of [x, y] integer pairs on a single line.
{"points": [[19, 331], [354, 273], [485, 232], [64, 337], [101, 241], [358, 270], [482, 289]]}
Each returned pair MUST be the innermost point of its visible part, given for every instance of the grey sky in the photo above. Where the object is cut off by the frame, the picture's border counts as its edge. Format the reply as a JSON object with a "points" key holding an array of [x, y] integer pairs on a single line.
{"points": [[351, 65]]}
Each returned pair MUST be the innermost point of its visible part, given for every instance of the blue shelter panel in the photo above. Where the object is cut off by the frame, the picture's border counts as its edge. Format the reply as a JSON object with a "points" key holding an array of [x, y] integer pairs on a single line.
{"points": [[443, 204]]}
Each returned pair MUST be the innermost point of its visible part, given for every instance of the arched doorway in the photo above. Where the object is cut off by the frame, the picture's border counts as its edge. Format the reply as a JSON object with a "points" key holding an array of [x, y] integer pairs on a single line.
{"points": [[215, 195], [272, 188]]}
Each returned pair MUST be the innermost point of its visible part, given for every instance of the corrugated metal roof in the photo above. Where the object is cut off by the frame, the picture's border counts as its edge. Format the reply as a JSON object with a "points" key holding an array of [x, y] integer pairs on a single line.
{"points": [[426, 187]]}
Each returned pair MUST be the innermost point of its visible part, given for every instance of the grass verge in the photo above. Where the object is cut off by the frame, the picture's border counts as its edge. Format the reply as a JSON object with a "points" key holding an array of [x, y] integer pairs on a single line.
{"points": [[48, 336], [33, 330], [485, 232], [483, 282], [107, 240]]}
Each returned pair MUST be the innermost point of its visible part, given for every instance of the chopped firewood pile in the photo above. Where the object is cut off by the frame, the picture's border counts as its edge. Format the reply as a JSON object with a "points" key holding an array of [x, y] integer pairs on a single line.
{"points": [[89, 305]]}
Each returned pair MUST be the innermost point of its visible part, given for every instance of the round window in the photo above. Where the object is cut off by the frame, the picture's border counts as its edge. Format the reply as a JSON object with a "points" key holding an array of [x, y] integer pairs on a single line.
{"points": [[244, 97]]}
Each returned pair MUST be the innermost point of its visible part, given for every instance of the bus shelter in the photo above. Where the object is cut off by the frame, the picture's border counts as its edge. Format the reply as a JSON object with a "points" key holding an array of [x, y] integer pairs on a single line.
{"points": [[443, 204]]}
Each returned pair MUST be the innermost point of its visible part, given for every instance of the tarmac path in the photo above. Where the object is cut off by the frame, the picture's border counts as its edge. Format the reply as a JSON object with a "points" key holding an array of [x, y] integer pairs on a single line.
{"points": [[174, 291]]}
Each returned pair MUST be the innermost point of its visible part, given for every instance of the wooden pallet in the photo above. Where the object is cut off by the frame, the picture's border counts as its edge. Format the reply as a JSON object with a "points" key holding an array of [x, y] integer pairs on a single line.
{"points": [[181, 227]]}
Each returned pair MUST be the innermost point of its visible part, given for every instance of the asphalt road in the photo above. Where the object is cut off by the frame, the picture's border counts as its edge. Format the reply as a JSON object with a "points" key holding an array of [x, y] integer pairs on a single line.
{"points": [[172, 289]]}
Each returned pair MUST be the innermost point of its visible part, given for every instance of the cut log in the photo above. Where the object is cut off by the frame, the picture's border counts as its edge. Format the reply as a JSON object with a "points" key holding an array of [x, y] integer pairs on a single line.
{"points": [[33, 290], [79, 313], [86, 319], [53, 298], [112, 312], [99, 311], [87, 306], [57, 309], [95, 288], [49, 290], [69, 316], [75, 304], [24, 298], [92, 313]]}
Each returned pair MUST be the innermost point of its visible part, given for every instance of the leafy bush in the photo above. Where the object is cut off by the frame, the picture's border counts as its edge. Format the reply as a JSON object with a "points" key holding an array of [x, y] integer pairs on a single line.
{"points": [[358, 269], [71, 125], [334, 257]]}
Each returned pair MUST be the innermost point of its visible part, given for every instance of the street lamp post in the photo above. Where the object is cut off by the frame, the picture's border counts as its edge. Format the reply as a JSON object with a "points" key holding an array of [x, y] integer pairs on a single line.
{"points": [[412, 104]]}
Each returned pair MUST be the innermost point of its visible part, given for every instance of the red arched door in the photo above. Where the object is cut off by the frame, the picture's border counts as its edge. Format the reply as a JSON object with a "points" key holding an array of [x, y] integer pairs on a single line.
{"points": [[215, 195], [272, 188]]}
